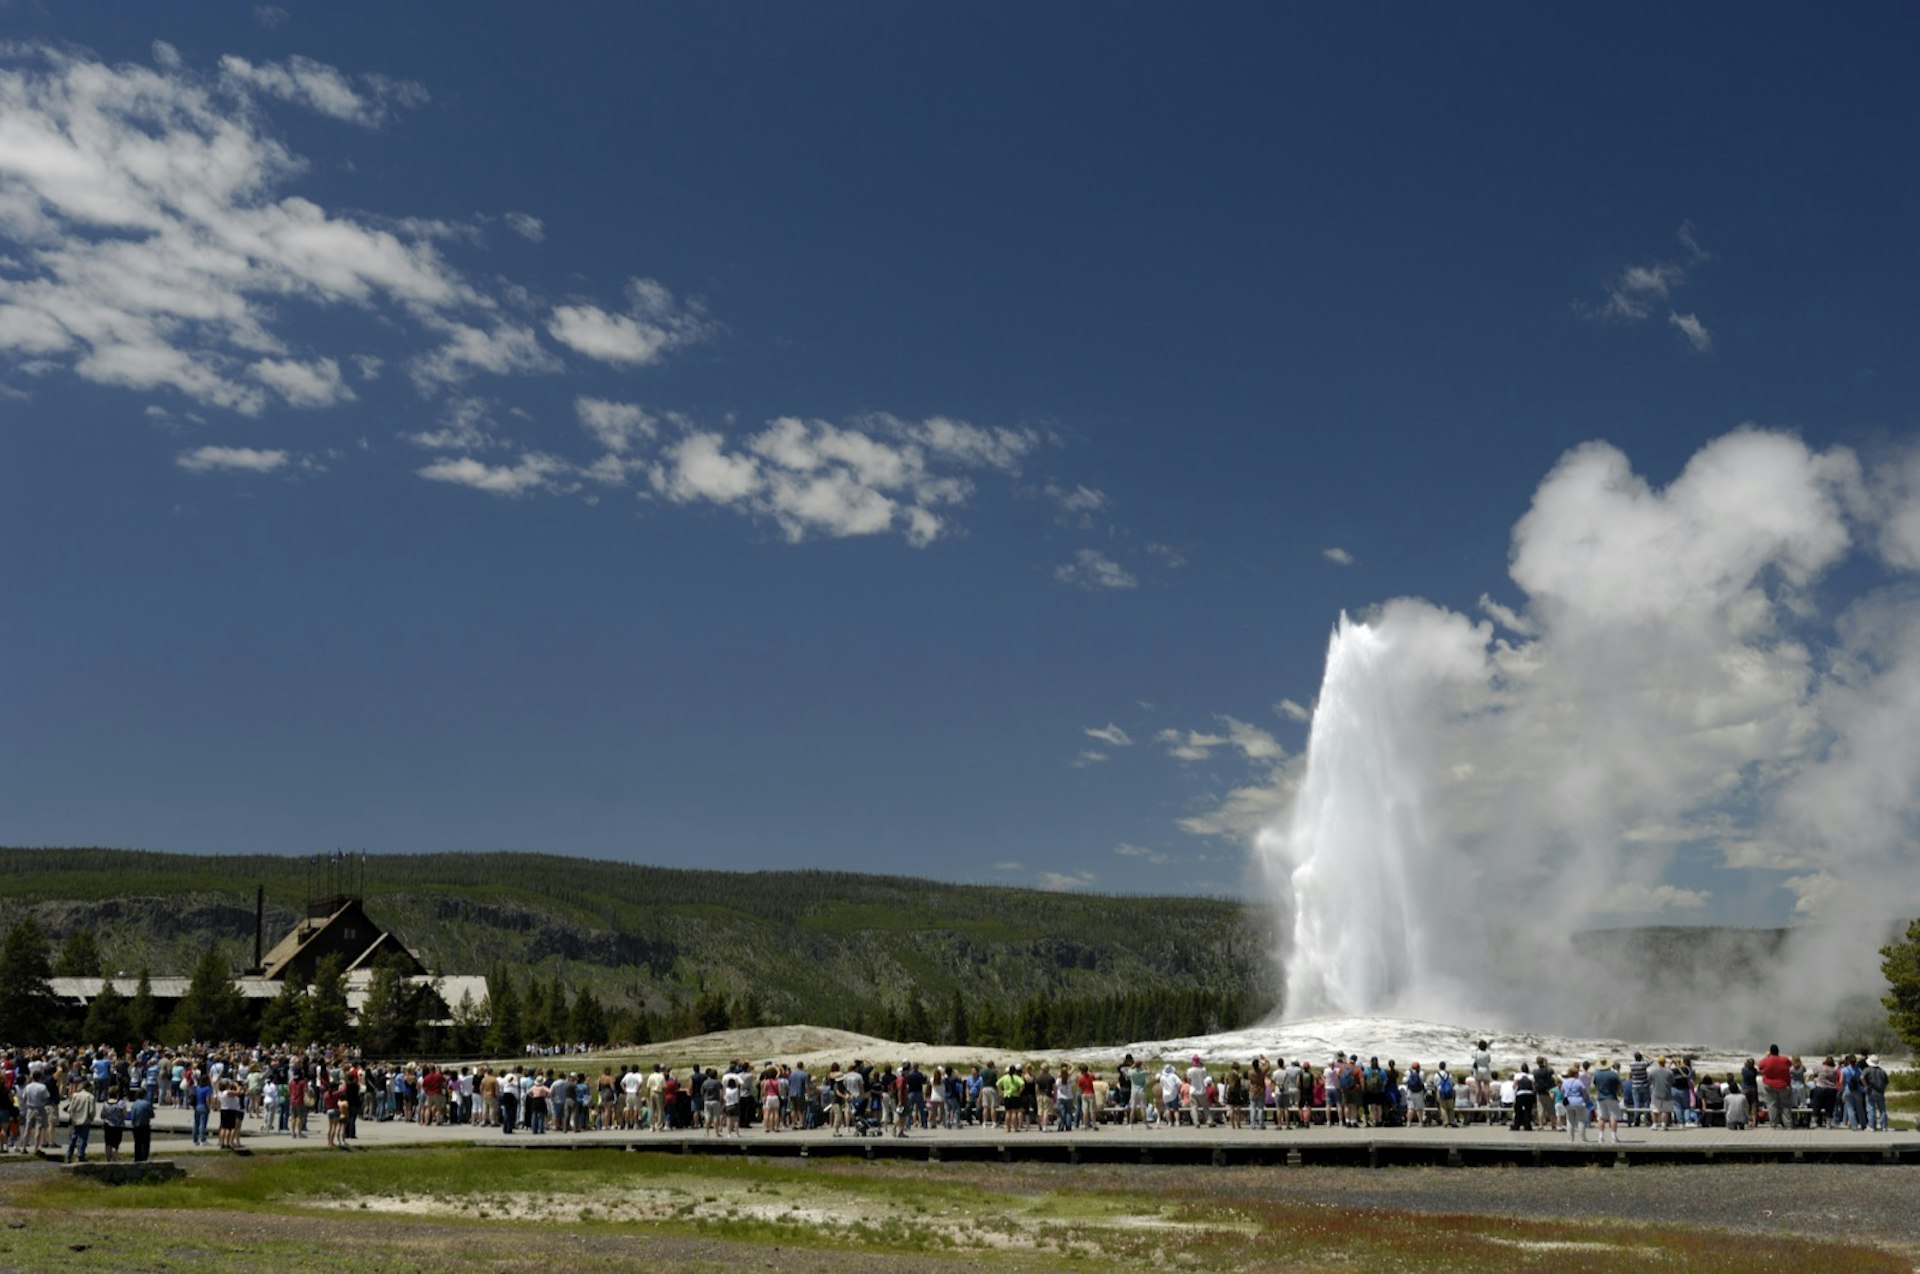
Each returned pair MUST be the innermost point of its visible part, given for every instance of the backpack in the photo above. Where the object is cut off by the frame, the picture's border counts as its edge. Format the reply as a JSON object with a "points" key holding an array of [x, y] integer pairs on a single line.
{"points": [[1445, 1084], [1876, 1080], [1414, 1083], [1373, 1079], [1346, 1079]]}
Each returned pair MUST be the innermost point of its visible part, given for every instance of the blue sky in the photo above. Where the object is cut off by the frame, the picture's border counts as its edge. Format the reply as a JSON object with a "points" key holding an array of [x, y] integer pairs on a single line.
{"points": [[780, 436]]}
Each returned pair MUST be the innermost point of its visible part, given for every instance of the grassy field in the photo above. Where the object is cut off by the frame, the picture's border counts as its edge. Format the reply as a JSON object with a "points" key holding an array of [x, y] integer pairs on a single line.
{"points": [[505, 1209]]}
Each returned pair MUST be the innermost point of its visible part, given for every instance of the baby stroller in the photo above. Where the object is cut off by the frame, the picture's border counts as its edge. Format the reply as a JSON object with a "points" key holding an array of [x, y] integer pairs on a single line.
{"points": [[865, 1119]]}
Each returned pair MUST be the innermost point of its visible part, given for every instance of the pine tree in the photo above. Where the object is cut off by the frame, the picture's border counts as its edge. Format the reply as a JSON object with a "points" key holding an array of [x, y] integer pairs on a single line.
{"points": [[915, 1022], [328, 1019], [536, 1023], [79, 956], [29, 1013], [587, 1024], [469, 1026], [283, 1021], [143, 1013], [957, 1026], [212, 1009], [506, 1033], [387, 1020], [1900, 962], [108, 1020], [557, 1012]]}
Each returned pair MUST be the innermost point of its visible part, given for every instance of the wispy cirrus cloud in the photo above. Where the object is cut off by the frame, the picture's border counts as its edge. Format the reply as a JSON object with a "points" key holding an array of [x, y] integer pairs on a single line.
{"points": [[1638, 292], [1095, 571]]}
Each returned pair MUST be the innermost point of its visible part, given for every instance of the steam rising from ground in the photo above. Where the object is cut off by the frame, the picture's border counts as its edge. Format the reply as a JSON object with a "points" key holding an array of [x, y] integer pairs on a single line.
{"points": [[1678, 723]]}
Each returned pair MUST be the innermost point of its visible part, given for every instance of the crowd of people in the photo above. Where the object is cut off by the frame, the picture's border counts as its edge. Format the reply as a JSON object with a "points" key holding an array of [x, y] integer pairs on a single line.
{"points": [[284, 1091]]}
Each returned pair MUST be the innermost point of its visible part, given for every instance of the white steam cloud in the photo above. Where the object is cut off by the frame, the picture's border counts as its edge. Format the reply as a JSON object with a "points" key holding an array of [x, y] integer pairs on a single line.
{"points": [[1674, 718]]}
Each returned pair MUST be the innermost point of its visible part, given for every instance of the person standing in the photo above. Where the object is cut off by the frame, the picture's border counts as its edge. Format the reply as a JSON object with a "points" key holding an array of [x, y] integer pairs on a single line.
{"points": [[1573, 1091], [1874, 1077], [1607, 1087], [113, 1120], [36, 1114], [1523, 1100], [1660, 1093], [82, 1108], [140, 1121], [1642, 1094], [1776, 1085]]}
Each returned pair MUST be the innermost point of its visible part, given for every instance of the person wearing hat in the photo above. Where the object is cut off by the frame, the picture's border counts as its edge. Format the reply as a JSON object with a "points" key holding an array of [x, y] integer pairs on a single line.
{"points": [[1660, 1093], [1874, 1077], [1607, 1088]]}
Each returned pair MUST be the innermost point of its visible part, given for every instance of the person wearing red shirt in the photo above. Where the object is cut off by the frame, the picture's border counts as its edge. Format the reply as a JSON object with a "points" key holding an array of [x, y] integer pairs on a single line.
{"points": [[1776, 1074]]}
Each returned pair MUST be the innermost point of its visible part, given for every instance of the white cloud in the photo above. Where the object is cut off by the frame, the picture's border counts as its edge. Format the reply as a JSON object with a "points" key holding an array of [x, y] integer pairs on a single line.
{"points": [[1244, 810], [1190, 745], [654, 325], [1169, 557], [526, 225], [271, 17], [1694, 330], [618, 427], [1093, 570], [1060, 881], [1076, 504], [319, 87], [159, 248], [502, 348], [310, 384], [1253, 743], [1109, 734], [1087, 758], [165, 56], [1505, 616], [532, 473], [1338, 556], [1158, 858], [1293, 711], [1636, 896], [231, 460], [367, 366], [1249, 740], [465, 425], [1638, 291], [812, 478], [1633, 294]]}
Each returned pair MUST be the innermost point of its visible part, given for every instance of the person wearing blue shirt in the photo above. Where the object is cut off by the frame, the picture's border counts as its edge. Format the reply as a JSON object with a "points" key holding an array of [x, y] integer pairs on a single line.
{"points": [[140, 1120]]}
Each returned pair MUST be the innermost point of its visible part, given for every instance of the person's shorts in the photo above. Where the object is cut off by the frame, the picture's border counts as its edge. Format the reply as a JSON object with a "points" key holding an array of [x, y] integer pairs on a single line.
{"points": [[229, 1120], [39, 1117], [1609, 1110]]}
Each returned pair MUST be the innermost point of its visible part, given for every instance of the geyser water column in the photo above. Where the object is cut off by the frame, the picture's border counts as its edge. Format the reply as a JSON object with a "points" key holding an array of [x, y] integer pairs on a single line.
{"points": [[1357, 853]]}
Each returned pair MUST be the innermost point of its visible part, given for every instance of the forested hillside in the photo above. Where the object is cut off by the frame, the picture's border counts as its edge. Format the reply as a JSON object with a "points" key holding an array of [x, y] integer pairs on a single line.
{"points": [[670, 949]]}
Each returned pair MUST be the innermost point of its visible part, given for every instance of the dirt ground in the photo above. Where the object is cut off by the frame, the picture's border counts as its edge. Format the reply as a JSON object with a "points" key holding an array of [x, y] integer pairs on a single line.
{"points": [[409, 1230]]}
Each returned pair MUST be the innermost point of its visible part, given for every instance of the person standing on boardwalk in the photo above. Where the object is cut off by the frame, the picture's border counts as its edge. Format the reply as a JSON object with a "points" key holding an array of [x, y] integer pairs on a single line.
{"points": [[1660, 1093], [1573, 1091], [1607, 1087], [140, 1122], [1523, 1101], [82, 1107]]}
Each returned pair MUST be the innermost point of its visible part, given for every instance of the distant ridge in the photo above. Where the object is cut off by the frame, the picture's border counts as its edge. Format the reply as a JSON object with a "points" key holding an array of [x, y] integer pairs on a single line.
{"points": [[834, 948]]}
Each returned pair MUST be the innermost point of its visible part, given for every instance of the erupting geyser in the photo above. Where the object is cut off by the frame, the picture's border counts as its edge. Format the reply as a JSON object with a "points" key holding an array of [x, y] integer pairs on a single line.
{"points": [[1357, 857]]}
